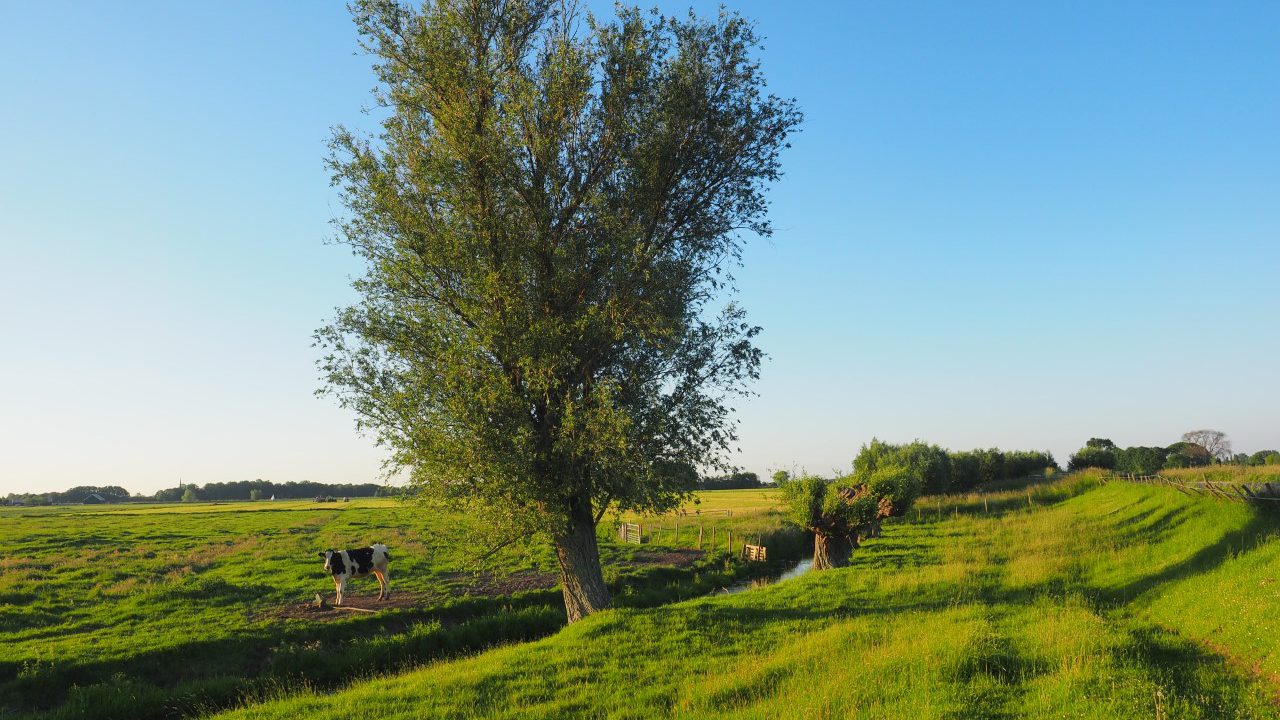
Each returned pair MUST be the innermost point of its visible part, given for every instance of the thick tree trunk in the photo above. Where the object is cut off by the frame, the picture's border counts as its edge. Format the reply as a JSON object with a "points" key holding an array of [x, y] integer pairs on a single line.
{"points": [[831, 552], [581, 578]]}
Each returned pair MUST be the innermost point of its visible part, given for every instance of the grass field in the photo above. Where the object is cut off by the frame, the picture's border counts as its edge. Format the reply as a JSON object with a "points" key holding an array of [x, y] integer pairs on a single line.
{"points": [[137, 611], [1067, 600]]}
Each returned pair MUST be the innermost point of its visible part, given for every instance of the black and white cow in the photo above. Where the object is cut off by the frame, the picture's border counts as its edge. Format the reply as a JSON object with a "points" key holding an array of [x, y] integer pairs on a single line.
{"points": [[346, 564]]}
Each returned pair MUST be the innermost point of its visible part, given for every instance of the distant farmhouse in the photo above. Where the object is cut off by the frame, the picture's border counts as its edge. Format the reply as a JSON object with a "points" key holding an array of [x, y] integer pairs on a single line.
{"points": [[94, 499]]}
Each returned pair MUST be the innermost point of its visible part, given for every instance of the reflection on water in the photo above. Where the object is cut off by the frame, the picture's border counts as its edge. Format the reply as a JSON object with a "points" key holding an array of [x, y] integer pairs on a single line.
{"points": [[795, 571]]}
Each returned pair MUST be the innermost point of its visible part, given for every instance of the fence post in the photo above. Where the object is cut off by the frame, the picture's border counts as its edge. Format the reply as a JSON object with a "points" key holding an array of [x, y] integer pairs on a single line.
{"points": [[699, 537], [731, 542], [677, 540]]}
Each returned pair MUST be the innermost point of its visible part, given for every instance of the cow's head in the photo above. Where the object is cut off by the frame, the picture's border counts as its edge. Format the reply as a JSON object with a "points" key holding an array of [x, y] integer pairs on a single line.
{"points": [[328, 559]]}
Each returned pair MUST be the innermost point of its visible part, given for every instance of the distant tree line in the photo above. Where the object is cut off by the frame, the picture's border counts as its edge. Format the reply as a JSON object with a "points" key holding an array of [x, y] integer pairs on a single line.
{"points": [[77, 494], [1198, 448], [734, 481], [261, 489], [240, 490]]}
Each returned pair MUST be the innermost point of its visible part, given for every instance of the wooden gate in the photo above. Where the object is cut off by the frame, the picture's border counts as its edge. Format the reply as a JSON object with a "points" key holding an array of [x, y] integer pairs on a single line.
{"points": [[629, 533]]}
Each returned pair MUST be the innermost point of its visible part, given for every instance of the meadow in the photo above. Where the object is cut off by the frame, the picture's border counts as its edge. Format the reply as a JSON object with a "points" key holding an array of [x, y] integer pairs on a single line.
{"points": [[150, 611], [1070, 599]]}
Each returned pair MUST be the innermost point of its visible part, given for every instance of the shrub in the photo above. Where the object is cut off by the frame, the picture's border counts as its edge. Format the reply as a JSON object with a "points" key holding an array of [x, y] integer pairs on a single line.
{"points": [[929, 464]]}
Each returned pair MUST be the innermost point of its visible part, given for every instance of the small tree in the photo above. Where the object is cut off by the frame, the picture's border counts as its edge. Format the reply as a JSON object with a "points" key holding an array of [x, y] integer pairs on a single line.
{"points": [[842, 512], [255, 494], [190, 494]]}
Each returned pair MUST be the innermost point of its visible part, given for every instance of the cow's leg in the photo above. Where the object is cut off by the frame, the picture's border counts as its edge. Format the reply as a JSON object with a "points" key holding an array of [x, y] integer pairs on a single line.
{"points": [[386, 583], [342, 588], [382, 588]]}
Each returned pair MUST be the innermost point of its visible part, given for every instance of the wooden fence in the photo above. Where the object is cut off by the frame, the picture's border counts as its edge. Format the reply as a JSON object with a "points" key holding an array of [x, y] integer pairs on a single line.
{"points": [[693, 535], [1263, 494]]}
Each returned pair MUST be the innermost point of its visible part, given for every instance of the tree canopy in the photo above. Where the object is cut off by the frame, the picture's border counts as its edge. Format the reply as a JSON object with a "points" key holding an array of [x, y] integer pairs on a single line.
{"points": [[548, 217], [1215, 442]]}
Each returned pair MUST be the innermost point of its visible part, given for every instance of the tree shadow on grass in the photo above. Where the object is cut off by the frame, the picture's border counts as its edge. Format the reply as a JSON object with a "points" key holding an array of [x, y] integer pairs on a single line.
{"points": [[1202, 561], [1186, 675]]}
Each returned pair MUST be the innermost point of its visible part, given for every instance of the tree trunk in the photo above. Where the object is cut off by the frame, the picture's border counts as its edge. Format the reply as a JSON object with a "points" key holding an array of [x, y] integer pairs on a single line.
{"points": [[581, 579], [831, 552]]}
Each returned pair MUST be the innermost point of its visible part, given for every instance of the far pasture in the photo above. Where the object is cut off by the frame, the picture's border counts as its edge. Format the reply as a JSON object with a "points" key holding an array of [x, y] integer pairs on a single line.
{"points": [[160, 610]]}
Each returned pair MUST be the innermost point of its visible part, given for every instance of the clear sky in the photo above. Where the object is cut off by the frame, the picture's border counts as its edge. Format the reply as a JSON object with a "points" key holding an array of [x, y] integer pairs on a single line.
{"points": [[1004, 224]]}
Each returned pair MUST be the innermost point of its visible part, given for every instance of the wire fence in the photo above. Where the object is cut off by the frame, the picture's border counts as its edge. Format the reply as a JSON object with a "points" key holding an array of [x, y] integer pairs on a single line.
{"points": [[693, 535], [1262, 494]]}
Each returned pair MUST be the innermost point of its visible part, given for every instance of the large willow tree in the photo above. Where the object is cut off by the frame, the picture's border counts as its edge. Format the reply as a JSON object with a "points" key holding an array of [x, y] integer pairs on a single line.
{"points": [[548, 215]]}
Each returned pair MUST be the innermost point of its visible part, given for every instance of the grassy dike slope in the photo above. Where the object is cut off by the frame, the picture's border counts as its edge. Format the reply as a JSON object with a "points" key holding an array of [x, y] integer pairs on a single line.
{"points": [[1076, 600]]}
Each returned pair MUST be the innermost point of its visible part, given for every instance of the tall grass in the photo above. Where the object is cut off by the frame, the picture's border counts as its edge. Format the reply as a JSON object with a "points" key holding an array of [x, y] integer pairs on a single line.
{"points": [[1227, 473]]}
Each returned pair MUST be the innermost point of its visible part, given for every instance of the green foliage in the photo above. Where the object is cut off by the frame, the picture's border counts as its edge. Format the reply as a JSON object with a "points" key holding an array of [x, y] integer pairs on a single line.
{"points": [[990, 465], [1187, 454], [928, 463], [1024, 463], [965, 473], [780, 478], [1100, 444], [1265, 457], [894, 489], [1092, 456], [852, 506], [1140, 460], [941, 471], [190, 494]]}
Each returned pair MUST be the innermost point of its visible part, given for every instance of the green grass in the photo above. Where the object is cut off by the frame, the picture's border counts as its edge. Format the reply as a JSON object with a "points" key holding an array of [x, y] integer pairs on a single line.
{"points": [[138, 611], [1067, 599]]}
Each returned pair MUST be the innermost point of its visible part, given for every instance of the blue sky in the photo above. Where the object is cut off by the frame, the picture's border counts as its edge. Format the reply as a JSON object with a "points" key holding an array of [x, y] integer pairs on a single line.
{"points": [[1004, 224]]}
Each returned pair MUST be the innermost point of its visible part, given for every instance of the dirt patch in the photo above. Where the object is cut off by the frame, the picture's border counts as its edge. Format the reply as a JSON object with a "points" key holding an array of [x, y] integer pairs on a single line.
{"points": [[308, 610], [487, 584], [678, 558]]}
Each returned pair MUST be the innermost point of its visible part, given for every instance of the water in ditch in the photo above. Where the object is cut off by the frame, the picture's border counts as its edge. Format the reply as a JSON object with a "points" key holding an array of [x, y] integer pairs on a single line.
{"points": [[795, 571]]}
